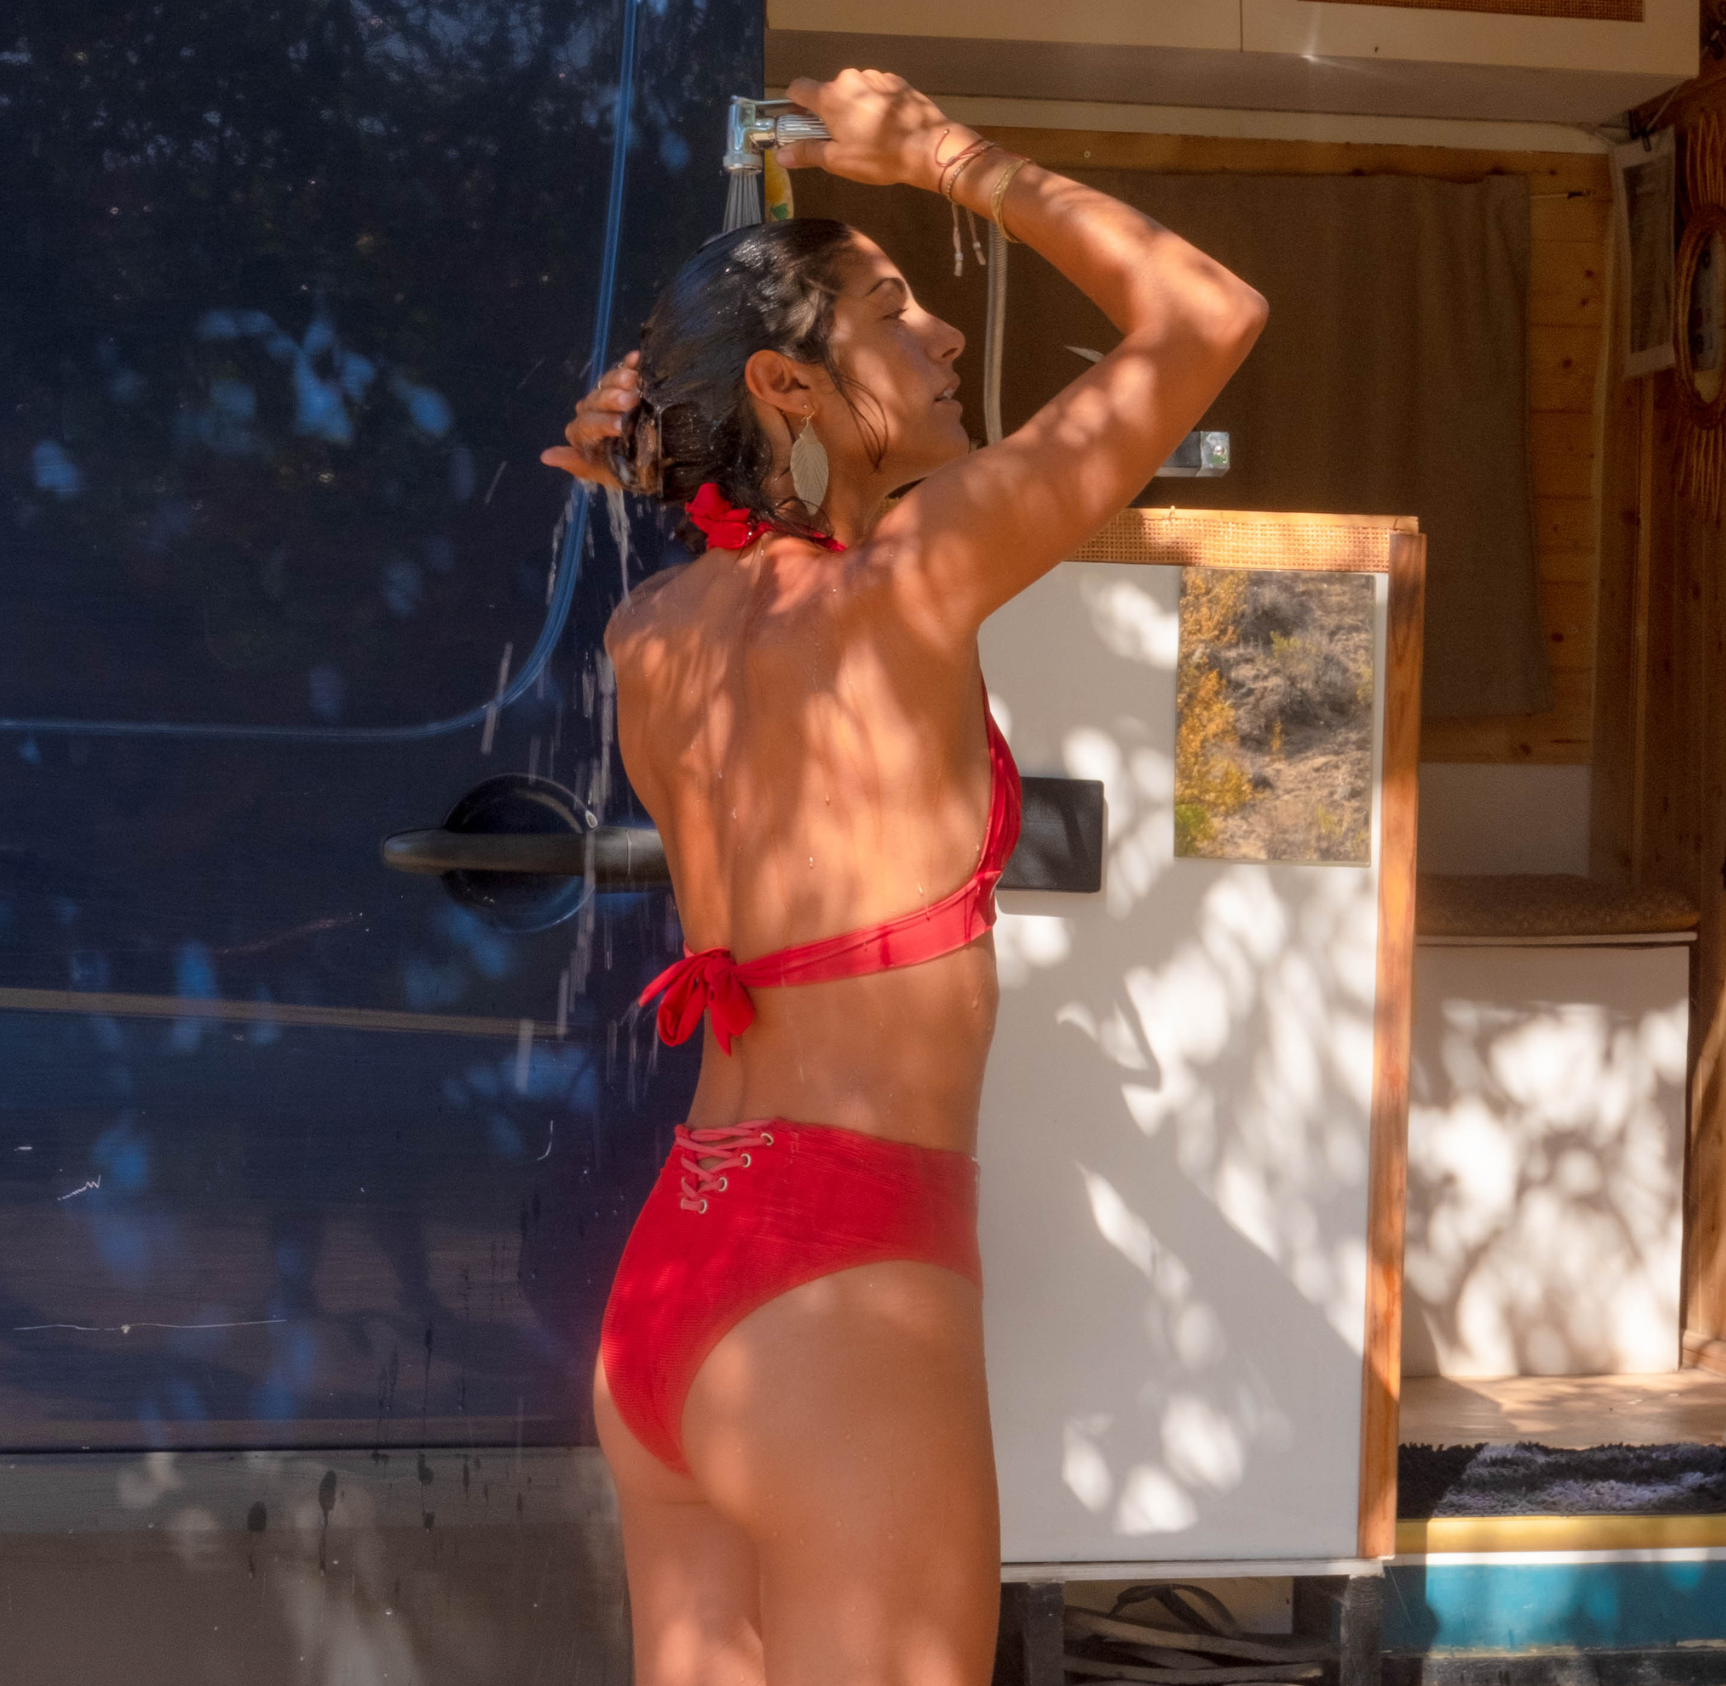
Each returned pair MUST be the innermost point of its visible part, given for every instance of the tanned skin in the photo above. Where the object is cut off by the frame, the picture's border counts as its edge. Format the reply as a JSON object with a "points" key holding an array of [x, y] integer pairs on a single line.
{"points": [[806, 730]]}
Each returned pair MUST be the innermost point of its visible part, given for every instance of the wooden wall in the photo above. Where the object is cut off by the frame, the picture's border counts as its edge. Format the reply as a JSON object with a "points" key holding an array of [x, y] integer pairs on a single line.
{"points": [[1660, 773], [1572, 200], [1660, 767]]}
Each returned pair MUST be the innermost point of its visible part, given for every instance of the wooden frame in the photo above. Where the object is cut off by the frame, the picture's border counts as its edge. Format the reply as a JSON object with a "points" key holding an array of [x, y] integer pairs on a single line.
{"points": [[1393, 1014], [1368, 544], [1600, 11], [1703, 223]]}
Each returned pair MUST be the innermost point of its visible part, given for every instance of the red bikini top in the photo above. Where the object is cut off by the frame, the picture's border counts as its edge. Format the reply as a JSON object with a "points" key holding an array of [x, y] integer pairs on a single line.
{"points": [[713, 980]]}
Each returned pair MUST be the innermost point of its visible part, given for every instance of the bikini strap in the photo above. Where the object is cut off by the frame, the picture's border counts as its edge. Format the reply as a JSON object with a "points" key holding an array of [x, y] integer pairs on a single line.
{"points": [[714, 981]]}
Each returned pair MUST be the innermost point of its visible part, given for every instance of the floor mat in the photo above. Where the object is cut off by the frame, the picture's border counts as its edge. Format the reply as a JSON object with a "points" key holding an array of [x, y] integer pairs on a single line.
{"points": [[1532, 1480]]}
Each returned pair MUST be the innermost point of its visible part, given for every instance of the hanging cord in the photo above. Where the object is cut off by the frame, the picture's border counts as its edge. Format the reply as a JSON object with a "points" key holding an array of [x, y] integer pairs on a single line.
{"points": [[946, 181]]}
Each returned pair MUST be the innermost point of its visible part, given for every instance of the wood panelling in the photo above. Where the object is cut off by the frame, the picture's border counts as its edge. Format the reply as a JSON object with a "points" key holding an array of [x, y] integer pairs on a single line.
{"points": [[1563, 364], [1076, 149], [1575, 216], [1678, 827], [1530, 739], [1659, 804], [1616, 11], [1570, 215], [1565, 524], [1561, 455], [1566, 284], [1567, 611], [1616, 669]]}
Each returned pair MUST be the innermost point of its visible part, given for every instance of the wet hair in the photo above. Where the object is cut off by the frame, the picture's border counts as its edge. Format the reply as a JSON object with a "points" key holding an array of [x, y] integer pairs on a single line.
{"points": [[768, 287]]}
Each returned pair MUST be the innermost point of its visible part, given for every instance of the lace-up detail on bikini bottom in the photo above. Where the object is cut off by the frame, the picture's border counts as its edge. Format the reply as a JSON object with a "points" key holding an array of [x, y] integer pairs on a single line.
{"points": [[727, 1148]]}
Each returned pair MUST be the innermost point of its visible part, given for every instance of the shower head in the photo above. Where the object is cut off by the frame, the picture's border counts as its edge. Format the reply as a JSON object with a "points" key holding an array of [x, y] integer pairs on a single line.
{"points": [[753, 126], [752, 129]]}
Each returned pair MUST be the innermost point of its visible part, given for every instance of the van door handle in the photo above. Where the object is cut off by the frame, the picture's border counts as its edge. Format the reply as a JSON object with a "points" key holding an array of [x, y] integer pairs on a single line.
{"points": [[617, 856]]}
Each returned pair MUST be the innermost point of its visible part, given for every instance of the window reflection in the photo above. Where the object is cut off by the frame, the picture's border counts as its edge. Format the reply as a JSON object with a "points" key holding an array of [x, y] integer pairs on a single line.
{"points": [[297, 295]]}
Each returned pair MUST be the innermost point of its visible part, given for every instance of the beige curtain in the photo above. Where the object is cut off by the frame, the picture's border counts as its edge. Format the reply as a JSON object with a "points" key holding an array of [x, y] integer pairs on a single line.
{"points": [[1392, 379]]}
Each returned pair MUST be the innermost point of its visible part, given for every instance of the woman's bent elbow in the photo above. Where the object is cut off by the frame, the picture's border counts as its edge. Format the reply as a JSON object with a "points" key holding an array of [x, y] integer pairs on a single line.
{"points": [[1253, 311], [1237, 327]]}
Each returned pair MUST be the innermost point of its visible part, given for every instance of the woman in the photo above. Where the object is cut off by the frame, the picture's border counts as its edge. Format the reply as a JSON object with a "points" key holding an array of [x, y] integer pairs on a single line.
{"points": [[791, 1390]]}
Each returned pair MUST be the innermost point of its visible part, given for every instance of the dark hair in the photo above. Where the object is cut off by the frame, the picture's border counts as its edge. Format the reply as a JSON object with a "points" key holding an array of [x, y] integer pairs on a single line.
{"points": [[768, 287]]}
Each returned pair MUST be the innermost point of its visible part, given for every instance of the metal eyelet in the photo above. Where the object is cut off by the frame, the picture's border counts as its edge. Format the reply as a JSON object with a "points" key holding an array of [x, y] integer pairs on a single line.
{"points": [[724, 1183], [766, 1140], [702, 1207], [746, 1160]]}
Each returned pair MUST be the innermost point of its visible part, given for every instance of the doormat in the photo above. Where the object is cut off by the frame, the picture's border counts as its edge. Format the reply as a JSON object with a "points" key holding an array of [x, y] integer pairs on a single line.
{"points": [[1531, 1480], [1604, 11]]}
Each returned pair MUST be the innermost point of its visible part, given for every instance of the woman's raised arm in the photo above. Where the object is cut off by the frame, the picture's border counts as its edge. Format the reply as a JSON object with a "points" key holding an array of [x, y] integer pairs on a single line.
{"points": [[981, 529]]}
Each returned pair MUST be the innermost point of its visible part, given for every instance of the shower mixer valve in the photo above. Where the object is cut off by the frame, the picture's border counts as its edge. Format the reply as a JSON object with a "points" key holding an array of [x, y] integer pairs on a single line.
{"points": [[755, 126]]}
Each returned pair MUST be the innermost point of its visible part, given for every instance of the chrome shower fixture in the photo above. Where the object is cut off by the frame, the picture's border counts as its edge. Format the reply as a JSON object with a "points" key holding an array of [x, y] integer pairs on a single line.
{"points": [[753, 126]]}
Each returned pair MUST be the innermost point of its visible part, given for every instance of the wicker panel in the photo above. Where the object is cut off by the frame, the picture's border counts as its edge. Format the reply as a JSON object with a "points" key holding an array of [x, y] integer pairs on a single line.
{"points": [[1526, 908], [1605, 11], [1210, 538]]}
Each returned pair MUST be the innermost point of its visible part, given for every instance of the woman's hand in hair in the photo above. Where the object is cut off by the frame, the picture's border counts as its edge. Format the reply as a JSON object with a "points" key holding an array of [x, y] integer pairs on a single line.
{"points": [[884, 132], [599, 418]]}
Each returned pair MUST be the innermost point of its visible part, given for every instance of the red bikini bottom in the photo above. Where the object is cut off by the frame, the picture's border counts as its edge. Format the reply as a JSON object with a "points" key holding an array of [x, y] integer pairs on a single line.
{"points": [[781, 1204]]}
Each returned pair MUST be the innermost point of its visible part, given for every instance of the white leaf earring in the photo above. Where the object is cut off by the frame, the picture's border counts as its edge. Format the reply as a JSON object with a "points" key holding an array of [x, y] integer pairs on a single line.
{"points": [[809, 469]]}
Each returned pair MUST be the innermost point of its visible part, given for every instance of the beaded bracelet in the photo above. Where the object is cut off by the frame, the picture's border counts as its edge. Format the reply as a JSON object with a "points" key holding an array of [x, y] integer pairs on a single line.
{"points": [[950, 172]]}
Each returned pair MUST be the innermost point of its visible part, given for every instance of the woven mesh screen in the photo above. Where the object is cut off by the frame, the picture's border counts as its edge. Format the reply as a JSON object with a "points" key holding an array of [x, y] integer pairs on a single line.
{"points": [[1604, 11], [1203, 538]]}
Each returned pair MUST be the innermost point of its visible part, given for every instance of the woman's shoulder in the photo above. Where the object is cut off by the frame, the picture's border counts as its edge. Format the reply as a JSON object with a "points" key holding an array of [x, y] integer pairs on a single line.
{"points": [[644, 605]]}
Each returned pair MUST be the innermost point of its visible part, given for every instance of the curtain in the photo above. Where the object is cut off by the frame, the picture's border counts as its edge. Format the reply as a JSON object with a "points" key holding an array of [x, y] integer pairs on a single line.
{"points": [[1391, 380]]}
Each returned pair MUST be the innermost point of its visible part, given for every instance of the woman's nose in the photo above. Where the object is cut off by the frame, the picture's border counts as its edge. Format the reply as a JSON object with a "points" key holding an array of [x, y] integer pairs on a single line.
{"points": [[948, 342]]}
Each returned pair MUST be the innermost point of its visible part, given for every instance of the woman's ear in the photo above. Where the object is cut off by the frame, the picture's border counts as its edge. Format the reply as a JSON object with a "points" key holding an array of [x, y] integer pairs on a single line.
{"points": [[779, 381]]}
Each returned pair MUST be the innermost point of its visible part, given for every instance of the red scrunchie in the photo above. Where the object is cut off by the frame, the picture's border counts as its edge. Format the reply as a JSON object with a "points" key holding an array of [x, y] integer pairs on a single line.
{"points": [[729, 528]]}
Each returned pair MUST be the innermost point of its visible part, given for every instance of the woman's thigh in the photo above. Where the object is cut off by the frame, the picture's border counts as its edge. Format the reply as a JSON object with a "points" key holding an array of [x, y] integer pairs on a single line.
{"points": [[844, 1427], [694, 1580]]}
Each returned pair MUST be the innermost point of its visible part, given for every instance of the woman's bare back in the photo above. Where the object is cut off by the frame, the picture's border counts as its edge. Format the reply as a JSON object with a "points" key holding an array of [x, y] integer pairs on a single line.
{"points": [[814, 767]]}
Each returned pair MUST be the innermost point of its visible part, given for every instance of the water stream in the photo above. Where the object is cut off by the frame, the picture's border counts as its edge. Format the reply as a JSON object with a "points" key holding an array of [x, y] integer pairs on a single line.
{"points": [[614, 507]]}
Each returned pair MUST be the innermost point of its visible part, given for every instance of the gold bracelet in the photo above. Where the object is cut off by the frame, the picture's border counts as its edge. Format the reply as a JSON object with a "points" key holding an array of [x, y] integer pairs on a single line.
{"points": [[1002, 183]]}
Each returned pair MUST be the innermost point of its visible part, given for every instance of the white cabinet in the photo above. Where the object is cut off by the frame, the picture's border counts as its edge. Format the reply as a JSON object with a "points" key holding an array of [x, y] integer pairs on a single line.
{"points": [[1545, 1160], [1127, 23], [1662, 45], [1394, 59], [1287, 55]]}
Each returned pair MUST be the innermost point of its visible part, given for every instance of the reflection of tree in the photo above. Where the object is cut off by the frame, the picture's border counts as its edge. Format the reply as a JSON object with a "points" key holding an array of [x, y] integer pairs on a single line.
{"points": [[1209, 784], [1273, 756], [294, 283]]}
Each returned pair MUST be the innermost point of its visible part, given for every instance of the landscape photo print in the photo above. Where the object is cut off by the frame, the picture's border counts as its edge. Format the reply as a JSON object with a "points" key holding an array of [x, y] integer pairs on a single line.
{"points": [[1274, 712]]}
